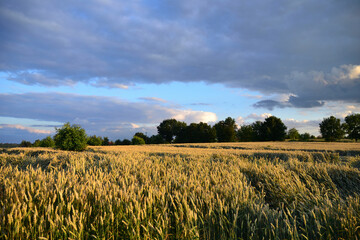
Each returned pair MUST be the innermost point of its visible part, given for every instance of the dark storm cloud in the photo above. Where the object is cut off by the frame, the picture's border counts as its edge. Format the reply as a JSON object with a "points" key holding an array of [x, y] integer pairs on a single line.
{"points": [[258, 45]]}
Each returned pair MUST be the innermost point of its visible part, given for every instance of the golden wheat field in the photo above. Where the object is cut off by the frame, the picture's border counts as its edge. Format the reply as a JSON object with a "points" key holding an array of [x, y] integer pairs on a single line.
{"points": [[264, 190]]}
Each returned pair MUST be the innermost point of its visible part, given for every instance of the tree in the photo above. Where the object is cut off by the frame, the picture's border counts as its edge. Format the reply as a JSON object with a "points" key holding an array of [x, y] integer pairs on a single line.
{"points": [[197, 133], [143, 136], [25, 143], [273, 129], [47, 142], [126, 142], [293, 134], [353, 126], [106, 141], [305, 137], [118, 142], [331, 129], [156, 139], [226, 130], [258, 134], [137, 141], [246, 133], [170, 128], [36, 143], [94, 141], [71, 138]]}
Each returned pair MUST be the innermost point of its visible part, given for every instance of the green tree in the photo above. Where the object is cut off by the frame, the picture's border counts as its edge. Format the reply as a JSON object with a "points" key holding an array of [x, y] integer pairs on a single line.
{"points": [[106, 141], [25, 143], [331, 129], [143, 136], [36, 143], [353, 126], [257, 128], [305, 137], [170, 128], [118, 142], [273, 129], [94, 140], [47, 142], [156, 139], [126, 142], [226, 130], [137, 140], [71, 138], [293, 134], [197, 133], [246, 133]]}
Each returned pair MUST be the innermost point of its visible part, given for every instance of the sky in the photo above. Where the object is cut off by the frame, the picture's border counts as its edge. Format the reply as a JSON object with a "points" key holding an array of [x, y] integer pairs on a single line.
{"points": [[121, 67]]}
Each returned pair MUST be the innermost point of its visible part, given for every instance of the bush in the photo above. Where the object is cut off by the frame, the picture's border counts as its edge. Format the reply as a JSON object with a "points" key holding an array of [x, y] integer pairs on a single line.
{"points": [[71, 138], [47, 142], [137, 140], [94, 141]]}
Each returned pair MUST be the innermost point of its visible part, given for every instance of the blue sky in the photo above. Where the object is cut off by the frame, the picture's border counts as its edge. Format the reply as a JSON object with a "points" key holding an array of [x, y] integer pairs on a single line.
{"points": [[119, 67]]}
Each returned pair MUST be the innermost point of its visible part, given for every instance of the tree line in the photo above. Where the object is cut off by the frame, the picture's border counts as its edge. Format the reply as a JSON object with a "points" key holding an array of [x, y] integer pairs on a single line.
{"points": [[73, 137]]}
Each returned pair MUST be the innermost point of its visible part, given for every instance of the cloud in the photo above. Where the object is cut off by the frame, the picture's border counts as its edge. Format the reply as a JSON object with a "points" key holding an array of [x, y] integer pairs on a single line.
{"points": [[313, 89], [255, 45], [28, 129], [104, 116], [153, 99]]}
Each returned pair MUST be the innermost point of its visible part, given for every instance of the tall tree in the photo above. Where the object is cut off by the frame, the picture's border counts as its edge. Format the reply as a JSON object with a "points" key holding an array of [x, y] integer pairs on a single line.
{"points": [[70, 137], [293, 134], [353, 126], [246, 133], [170, 128], [197, 133], [273, 129], [331, 129], [226, 130]]}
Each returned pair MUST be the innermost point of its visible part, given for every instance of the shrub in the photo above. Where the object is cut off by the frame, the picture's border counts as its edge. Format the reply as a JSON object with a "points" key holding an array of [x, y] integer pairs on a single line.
{"points": [[137, 140], [71, 138], [47, 142]]}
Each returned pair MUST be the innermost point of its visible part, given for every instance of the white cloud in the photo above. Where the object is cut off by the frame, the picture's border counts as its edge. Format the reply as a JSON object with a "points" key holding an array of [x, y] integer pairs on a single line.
{"points": [[190, 116]]}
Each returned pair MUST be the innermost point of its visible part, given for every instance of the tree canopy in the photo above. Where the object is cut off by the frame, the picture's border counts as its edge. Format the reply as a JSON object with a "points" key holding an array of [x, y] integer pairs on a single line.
{"points": [[226, 130], [353, 126], [70, 137], [331, 129]]}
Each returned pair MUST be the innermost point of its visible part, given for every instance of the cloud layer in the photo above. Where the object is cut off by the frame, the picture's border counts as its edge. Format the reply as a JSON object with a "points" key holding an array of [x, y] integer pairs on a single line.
{"points": [[281, 47], [104, 116]]}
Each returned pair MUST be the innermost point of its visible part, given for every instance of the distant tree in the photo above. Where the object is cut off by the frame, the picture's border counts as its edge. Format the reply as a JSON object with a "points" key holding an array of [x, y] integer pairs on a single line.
{"points": [[94, 141], [353, 126], [118, 142], [197, 133], [36, 143], [245, 133], [331, 129], [137, 140], [258, 133], [170, 128], [106, 141], [70, 137], [273, 129], [293, 134], [156, 139], [25, 143], [126, 142], [305, 137], [47, 142], [143, 136], [226, 130]]}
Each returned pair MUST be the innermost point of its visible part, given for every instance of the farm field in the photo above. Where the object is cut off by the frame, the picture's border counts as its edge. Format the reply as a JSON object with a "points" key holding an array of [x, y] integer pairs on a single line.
{"points": [[266, 190]]}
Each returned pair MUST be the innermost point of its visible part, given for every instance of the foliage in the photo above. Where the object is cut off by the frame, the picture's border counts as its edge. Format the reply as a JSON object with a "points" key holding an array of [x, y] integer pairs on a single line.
{"points": [[305, 137], [294, 134], [71, 138], [226, 130], [353, 126], [94, 141], [143, 136], [106, 141], [47, 142], [126, 142], [210, 192], [197, 133], [137, 140], [246, 133], [331, 129], [273, 129], [25, 143], [36, 143], [170, 128], [156, 139]]}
